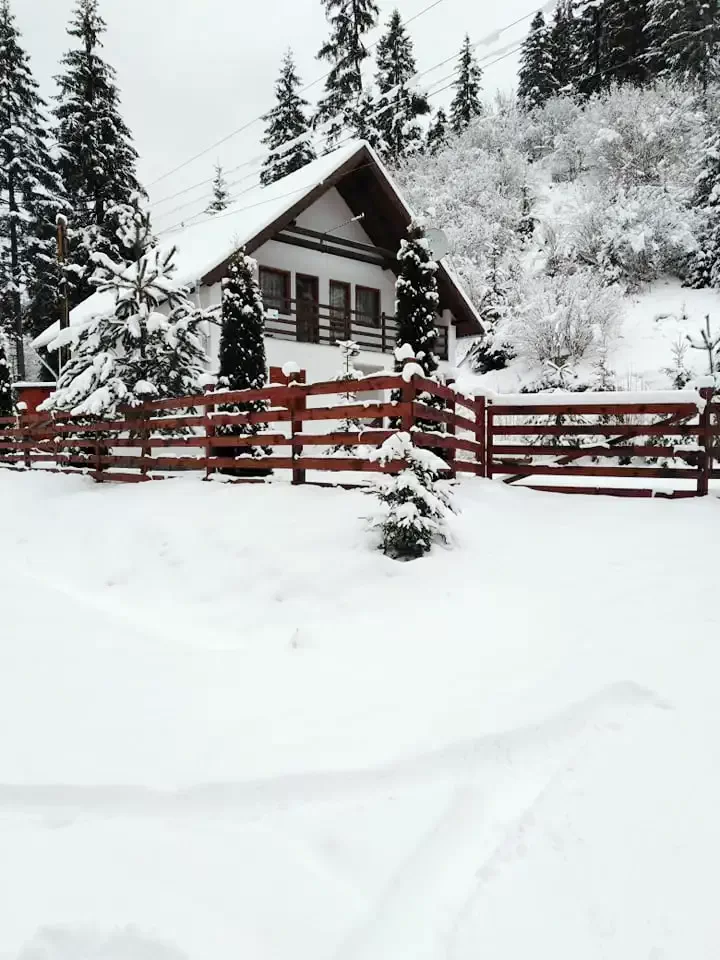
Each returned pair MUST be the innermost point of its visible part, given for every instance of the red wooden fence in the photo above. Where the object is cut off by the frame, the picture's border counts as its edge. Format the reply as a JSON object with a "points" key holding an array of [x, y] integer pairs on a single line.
{"points": [[165, 437], [613, 444]]}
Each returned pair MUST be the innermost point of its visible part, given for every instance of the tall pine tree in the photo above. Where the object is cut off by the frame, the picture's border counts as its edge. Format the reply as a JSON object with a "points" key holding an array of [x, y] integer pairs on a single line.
{"points": [[705, 264], [400, 104], [437, 134], [97, 157], [684, 38], [466, 104], [417, 300], [6, 402], [221, 195], [243, 365], [591, 46], [563, 46], [30, 195], [536, 82], [350, 21], [627, 40], [287, 126]]}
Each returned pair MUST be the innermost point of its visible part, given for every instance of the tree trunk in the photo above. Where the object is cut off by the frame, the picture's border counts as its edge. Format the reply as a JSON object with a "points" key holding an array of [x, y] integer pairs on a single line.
{"points": [[15, 271]]}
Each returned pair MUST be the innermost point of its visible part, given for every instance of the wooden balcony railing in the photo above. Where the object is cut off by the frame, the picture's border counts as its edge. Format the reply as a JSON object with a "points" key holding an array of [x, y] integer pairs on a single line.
{"points": [[310, 322]]}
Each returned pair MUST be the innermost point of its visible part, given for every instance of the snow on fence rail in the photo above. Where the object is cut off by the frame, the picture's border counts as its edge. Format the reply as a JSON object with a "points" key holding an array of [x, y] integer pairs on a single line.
{"points": [[164, 437], [619, 444]]}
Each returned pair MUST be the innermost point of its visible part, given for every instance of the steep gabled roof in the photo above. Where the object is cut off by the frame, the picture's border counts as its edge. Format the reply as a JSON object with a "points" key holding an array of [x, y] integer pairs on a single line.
{"points": [[204, 248]]}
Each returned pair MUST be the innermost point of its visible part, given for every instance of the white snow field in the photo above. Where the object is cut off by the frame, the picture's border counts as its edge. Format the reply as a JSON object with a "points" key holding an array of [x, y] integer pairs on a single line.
{"points": [[230, 729]]}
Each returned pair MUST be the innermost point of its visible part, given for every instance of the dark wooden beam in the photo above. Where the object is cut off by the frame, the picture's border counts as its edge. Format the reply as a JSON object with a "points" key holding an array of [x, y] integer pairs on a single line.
{"points": [[382, 252], [335, 252]]}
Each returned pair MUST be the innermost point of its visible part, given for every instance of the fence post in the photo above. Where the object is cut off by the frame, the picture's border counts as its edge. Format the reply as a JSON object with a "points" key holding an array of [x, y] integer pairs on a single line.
{"points": [[480, 429], [407, 395], [451, 430], [297, 405], [705, 440], [26, 439], [209, 424], [490, 435]]}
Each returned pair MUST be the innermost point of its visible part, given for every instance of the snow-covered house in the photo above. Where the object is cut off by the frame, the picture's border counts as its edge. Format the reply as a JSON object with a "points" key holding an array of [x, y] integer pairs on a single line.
{"points": [[325, 240]]}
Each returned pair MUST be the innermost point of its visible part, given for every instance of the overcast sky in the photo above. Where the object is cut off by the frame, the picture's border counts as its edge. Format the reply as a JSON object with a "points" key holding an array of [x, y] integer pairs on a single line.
{"points": [[192, 71]]}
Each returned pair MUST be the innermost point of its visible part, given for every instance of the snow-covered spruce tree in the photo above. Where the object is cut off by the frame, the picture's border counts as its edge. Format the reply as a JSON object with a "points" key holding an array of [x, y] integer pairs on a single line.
{"points": [[536, 82], [415, 503], [221, 195], [491, 352], [287, 126], [627, 39], [466, 104], [401, 104], [417, 299], [31, 195], [437, 134], [97, 157], [345, 50], [705, 262], [243, 365], [563, 46], [684, 38], [590, 31], [6, 401], [133, 352]]}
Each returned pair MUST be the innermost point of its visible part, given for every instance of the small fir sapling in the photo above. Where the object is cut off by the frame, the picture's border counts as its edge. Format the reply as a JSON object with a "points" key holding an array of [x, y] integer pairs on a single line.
{"points": [[415, 503], [709, 342], [349, 350], [243, 364]]}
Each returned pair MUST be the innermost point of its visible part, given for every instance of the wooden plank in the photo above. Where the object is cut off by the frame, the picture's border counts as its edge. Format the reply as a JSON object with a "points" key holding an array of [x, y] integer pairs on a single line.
{"points": [[370, 411], [277, 395], [266, 416], [587, 409], [469, 466], [530, 450], [422, 411], [448, 442], [380, 382], [365, 438], [600, 430], [546, 469]]}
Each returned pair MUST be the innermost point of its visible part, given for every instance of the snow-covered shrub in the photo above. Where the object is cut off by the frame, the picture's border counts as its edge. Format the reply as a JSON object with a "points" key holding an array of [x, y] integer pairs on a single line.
{"points": [[549, 125], [634, 235], [349, 351], [415, 503], [564, 319]]}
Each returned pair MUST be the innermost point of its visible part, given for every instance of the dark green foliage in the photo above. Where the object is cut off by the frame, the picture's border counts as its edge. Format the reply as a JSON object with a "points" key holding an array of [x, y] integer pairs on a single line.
{"points": [[243, 364], [221, 195], [97, 158], [563, 46], [417, 300], [345, 51], [287, 123], [400, 105], [537, 81], [31, 194], [684, 37], [466, 104], [627, 44], [704, 269], [437, 134], [6, 401]]}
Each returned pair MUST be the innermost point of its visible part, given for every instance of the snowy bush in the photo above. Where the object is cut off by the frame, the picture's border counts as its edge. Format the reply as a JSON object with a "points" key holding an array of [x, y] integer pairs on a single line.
{"points": [[415, 503], [634, 236], [564, 319]]}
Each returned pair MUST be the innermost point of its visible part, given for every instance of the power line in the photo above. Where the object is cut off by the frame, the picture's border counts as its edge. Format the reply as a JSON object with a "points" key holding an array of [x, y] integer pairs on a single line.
{"points": [[383, 108], [260, 116]]}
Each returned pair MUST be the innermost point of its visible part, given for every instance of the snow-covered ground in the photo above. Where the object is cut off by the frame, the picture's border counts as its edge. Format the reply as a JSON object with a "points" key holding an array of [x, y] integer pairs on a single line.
{"points": [[231, 728], [654, 320]]}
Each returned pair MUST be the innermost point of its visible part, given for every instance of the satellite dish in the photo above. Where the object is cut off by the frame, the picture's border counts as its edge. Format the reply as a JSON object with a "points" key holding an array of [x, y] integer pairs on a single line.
{"points": [[439, 243]]}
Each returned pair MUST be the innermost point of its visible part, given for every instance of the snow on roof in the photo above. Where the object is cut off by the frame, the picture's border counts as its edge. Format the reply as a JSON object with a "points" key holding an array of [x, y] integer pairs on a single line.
{"points": [[203, 245]]}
